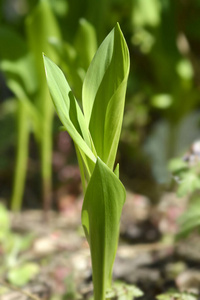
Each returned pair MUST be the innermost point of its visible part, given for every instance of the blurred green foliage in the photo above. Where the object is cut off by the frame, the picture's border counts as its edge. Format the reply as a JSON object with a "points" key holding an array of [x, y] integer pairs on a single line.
{"points": [[187, 174], [177, 296], [18, 270], [162, 104], [123, 291]]}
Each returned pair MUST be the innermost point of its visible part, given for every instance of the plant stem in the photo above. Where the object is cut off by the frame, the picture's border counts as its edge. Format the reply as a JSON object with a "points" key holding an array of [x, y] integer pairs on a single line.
{"points": [[21, 158], [46, 153]]}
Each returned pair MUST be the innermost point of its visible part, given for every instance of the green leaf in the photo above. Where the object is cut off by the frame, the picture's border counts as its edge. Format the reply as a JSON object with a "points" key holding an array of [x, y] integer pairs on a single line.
{"points": [[67, 108], [23, 132], [190, 219], [177, 296], [123, 291], [68, 63], [12, 46], [189, 183], [146, 13], [102, 207], [17, 63], [184, 69], [177, 164], [41, 24], [32, 112], [18, 66], [23, 72], [116, 171], [23, 274], [64, 50], [162, 101], [85, 43], [103, 94]]}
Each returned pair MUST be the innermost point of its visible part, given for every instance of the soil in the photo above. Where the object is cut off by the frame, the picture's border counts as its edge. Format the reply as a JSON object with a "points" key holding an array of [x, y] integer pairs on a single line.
{"points": [[148, 255]]}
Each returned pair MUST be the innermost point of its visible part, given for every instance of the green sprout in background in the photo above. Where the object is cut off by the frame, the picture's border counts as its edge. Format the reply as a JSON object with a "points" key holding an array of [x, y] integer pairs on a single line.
{"points": [[95, 132], [25, 76], [26, 79]]}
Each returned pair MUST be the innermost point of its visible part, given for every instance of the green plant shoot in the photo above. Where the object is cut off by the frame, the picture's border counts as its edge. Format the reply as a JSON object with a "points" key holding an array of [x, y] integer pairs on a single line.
{"points": [[95, 131], [41, 24], [20, 75], [23, 68]]}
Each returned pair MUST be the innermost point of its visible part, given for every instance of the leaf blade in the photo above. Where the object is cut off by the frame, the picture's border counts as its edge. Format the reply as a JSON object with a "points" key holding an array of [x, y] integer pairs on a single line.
{"points": [[67, 108], [103, 95], [103, 202]]}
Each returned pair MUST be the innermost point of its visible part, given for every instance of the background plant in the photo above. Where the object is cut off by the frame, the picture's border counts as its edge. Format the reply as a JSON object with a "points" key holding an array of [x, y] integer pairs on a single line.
{"points": [[185, 170], [156, 112], [17, 270], [25, 77]]}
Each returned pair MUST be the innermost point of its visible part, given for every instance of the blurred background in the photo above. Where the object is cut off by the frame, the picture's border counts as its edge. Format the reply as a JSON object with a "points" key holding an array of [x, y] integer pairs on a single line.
{"points": [[158, 153], [161, 118]]}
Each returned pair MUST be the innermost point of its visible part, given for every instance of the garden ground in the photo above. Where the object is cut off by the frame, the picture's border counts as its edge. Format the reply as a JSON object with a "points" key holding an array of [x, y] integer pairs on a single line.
{"points": [[56, 261]]}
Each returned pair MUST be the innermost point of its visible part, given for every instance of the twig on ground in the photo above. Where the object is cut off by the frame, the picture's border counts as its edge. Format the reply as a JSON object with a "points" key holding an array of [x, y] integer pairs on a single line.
{"points": [[11, 287]]}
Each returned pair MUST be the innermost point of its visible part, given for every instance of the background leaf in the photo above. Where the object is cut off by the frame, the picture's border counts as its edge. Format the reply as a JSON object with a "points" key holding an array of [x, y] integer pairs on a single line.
{"points": [[17, 65], [41, 24], [85, 43], [190, 219], [21, 275]]}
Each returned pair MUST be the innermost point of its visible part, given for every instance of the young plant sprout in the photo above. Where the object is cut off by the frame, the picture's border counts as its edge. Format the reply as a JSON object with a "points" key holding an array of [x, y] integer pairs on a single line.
{"points": [[95, 130], [22, 65]]}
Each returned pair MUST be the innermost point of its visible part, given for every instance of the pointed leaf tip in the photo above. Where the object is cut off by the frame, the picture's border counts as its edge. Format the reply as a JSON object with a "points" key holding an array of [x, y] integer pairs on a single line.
{"points": [[104, 94], [67, 108]]}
